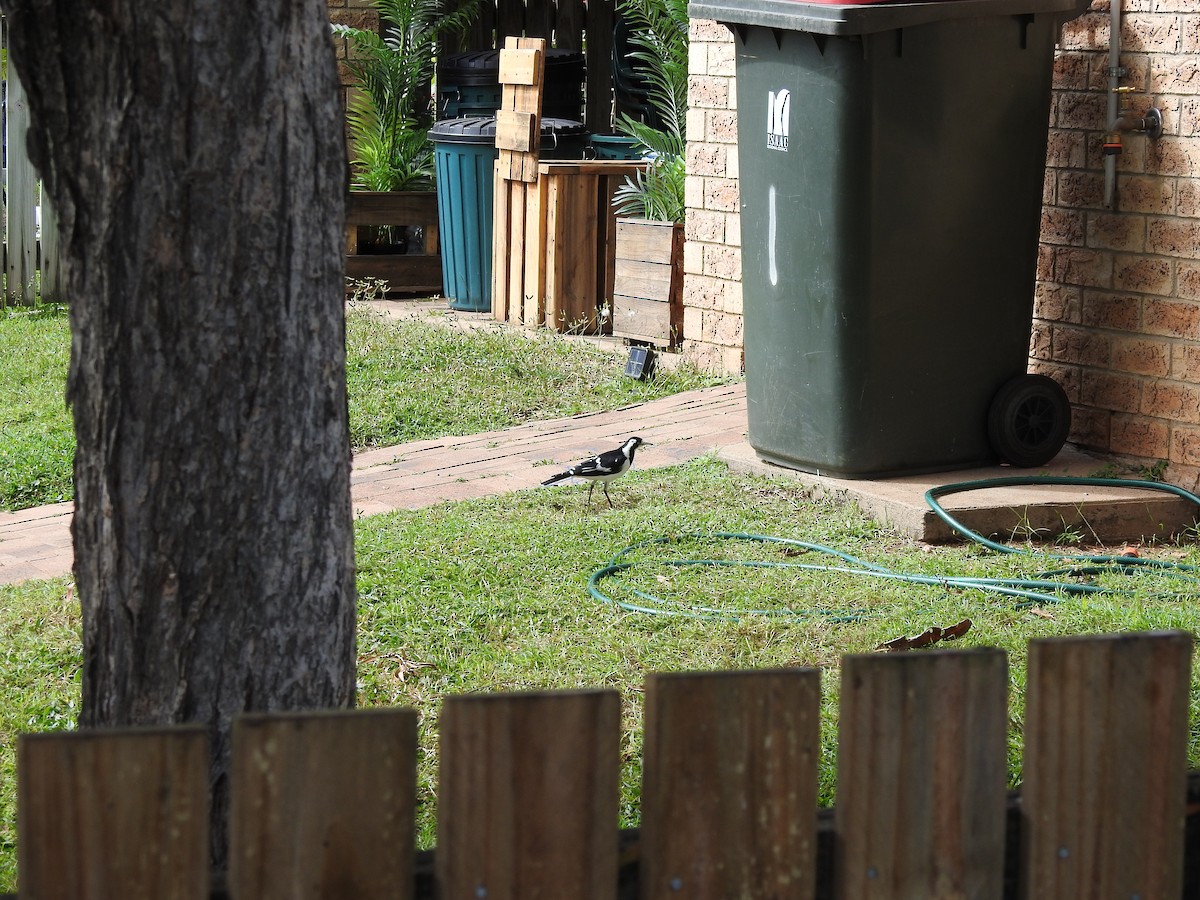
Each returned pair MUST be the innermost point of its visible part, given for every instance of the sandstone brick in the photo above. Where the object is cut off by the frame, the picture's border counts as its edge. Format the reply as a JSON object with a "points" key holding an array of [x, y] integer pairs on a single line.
{"points": [[1090, 427], [693, 259], [1145, 194], [1138, 436], [1086, 268], [733, 229], [1189, 281], [1056, 303], [721, 127], [1186, 117], [1137, 71], [1172, 400], [1086, 32], [1118, 312], [705, 225], [693, 323], [708, 30], [722, 59], [698, 58], [693, 191], [1039, 341], [1111, 391], [1185, 363], [1071, 70], [1080, 190], [1141, 356], [1189, 27], [721, 194], [1066, 149], [1045, 262], [706, 159], [1080, 347], [1174, 237], [1077, 109], [1172, 318], [708, 92], [722, 262], [1187, 197], [355, 18], [1048, 184], [732, 161], [696, 125], [1062, 226], [1068, 377], [1175, 75], [1143, 274], [1116, 232], [1150, 33], [732, 297], [702, 292], [1185, 445], [1174, 156]]}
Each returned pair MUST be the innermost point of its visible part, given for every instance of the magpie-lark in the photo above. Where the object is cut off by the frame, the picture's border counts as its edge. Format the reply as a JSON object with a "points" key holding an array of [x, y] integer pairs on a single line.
{"points": [[602, 468]]}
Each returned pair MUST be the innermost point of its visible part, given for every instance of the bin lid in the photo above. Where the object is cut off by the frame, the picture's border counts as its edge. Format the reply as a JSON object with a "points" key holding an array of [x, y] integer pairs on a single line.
{"points": [[869, 17], [482, 130], [483, 66]]}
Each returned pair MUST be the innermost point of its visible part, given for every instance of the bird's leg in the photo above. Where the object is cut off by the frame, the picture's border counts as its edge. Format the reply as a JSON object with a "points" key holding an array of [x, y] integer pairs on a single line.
{"points": [[591, 487], [606, 497]]}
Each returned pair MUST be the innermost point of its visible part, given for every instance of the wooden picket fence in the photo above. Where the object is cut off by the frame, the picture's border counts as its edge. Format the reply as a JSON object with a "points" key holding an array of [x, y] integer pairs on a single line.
{"points": [[323, 803], [30, 248]]}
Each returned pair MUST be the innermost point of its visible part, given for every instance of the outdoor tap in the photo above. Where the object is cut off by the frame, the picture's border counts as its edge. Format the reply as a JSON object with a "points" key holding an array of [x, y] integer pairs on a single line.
{"points": [[1149, 124]]}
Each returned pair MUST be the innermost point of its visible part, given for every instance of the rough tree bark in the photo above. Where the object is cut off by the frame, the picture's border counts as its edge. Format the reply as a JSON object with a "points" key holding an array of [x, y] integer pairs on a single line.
{"points": [[194, 152]]}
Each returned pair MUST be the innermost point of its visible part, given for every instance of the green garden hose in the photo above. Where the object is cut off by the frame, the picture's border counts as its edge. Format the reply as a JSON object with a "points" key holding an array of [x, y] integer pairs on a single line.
{"points": [[1046, 588]]}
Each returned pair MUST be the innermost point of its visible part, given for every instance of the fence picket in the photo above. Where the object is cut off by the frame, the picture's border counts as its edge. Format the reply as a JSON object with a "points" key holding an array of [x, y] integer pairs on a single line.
{"points": [[921, 780], [1104, 786], [729, 792], [322, 805], [104, 814], [528, 796]]}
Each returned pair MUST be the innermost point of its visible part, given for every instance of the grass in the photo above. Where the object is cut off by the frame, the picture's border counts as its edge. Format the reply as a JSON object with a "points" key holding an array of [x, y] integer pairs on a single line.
{"points": [[407, 380], [491, 595], [37, 443]]}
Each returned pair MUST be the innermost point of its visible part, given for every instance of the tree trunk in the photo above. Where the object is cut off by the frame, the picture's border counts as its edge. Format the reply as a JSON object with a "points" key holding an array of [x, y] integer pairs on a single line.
{"points": [[194, 152]]}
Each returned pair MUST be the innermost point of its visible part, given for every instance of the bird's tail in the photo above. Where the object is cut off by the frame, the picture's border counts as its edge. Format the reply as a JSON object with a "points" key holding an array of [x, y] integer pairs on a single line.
{"points": [[561, 476]]}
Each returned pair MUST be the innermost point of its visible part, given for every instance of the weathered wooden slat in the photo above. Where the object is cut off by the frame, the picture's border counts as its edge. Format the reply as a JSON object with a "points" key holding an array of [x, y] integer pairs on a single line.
{"points": [[501, 218], [105, 814], [571, 248], [528, 796], [415, 273], [533, 300], [599, 71], [642, 320], [730, 785], [1106, 731], [921, 780], [650, 239], [322, 805], [636, 278], [515, 131], [391, 207], [520, 66], [20, 198]]}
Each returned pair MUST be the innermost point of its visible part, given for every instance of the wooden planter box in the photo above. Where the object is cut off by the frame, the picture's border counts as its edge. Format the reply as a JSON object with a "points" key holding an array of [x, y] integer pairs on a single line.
{"points": [[648, 282], [405, 273]]}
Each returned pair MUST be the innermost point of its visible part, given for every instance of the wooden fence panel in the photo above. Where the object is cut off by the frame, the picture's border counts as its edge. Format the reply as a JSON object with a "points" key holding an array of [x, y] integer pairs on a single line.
{"points": [[528, 796], [922, 773], [1104, 784], [105, 814], [20, 198], [730, 785], [322, 805]]}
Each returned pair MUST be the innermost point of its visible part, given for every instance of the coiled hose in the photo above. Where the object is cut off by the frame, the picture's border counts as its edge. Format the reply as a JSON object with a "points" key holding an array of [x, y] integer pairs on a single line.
{"points": [[1045, 588]]}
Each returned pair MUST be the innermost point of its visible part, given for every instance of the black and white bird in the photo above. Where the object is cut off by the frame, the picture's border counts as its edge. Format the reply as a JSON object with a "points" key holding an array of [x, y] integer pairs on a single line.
{"points": [[601, 468]]}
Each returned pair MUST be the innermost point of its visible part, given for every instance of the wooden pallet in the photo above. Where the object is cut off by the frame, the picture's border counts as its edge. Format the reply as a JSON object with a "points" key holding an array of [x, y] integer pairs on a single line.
{"points": [[407, 273]]}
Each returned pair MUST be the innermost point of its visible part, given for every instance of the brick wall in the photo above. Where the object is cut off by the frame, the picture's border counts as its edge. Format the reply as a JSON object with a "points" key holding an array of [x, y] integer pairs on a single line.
{"points": [[357, 14], [1117, 307]]}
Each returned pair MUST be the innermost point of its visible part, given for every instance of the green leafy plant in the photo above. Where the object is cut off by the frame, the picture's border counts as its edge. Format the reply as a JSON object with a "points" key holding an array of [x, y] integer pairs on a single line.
{"points": [[660, 33], [390, 115]]}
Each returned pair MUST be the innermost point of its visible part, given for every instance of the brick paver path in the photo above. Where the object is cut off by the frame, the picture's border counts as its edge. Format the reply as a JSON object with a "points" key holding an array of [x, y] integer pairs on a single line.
{"points": [[36, 543]]}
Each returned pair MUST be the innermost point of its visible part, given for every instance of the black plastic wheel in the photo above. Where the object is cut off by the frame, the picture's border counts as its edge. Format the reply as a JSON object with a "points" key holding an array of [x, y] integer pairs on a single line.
{"points": [[1028, 421]]}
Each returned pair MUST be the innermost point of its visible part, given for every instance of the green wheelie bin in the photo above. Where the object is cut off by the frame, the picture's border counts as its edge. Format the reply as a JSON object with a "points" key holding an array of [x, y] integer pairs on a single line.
{"points": [[892, 157]]}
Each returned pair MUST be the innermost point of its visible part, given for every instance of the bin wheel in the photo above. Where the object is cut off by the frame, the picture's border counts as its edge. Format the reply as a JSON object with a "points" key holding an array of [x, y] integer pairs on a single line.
{"points": [[1028, 420]]}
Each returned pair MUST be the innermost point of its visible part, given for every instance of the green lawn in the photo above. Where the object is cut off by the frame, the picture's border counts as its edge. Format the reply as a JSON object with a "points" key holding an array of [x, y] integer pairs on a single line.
{"points": [[492, 595]]}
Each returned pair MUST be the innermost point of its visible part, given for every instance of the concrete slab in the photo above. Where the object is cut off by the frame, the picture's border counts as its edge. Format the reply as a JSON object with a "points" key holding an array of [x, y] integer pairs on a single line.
{"points": [[1102, 515]]}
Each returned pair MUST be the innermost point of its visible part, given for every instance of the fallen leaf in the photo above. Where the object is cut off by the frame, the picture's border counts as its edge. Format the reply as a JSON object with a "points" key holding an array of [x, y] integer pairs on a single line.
{"points": [[954, 632], [1041, 613]]}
